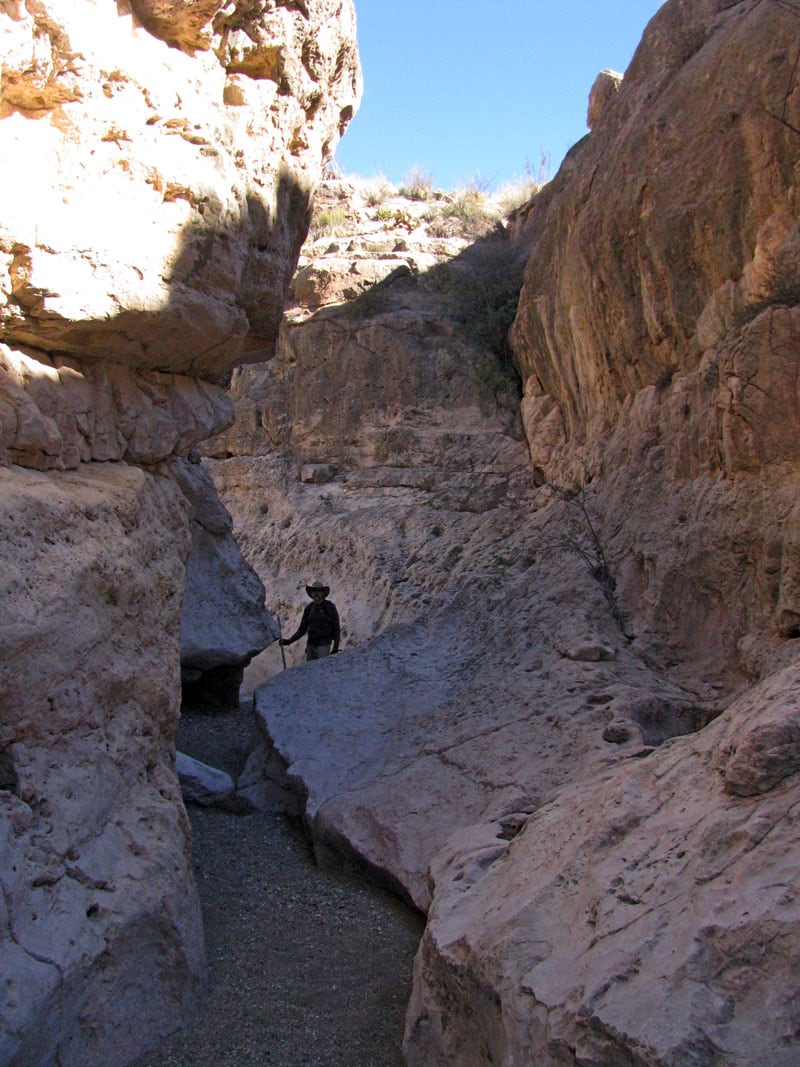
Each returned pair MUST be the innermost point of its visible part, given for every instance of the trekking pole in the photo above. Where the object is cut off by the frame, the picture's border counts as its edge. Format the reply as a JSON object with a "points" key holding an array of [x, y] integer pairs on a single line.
{"points": [[280, 646]]}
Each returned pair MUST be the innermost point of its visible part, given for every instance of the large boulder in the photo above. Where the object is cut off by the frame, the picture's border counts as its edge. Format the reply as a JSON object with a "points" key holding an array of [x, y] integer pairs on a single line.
{"points": [[100, 934], [167, 174], [389, 748], [647, 918], [164, 157], [224, 622]]}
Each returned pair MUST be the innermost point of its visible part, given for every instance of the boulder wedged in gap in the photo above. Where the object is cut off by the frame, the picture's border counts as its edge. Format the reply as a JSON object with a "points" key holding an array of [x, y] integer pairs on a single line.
{"points": [[202, 784], [224, 622]]}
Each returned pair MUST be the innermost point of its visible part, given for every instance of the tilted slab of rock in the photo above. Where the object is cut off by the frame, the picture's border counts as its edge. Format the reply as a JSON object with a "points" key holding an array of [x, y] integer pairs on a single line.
{"points": [[649, 916], [201, 784], [101, 945], [390, 747], [223, 619]]}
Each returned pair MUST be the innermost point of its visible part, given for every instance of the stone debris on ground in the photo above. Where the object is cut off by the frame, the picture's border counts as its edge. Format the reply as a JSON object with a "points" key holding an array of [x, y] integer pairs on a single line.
{"points": [[306, 967]]}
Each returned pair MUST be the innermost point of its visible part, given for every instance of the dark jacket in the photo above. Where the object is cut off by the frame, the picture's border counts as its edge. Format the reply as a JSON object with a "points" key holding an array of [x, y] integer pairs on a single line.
{"points": [[321, 622]]}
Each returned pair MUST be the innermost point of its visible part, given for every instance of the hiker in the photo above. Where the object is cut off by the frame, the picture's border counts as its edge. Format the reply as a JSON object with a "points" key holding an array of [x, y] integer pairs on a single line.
{"points": [[320, 621]]}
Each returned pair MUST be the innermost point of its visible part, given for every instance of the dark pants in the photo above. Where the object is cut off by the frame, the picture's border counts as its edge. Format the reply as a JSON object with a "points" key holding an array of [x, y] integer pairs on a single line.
{"points": [[318, 651]]}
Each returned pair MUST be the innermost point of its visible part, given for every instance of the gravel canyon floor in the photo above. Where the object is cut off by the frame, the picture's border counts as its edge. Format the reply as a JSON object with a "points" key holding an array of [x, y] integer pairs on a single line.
{"points": [[307, 967]]}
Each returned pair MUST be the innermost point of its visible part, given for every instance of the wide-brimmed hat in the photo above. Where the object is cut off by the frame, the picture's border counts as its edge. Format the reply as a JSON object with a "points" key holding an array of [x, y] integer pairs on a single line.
{"points": [[318, 586]]}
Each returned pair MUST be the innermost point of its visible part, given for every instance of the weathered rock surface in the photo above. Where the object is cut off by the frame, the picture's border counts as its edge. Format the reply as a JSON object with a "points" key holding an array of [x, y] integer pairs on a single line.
{"points": [[201, 784], [223, 619], [664, 234], [57, 415], [100, 934], [646, 917], [506, 750], [163, 162], [606, 84], [165, 195]]}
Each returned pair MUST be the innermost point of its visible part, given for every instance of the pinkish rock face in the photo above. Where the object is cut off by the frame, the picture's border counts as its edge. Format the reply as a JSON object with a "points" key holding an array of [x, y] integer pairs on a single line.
{"points": [[159, 159], [670, 226], [163, 168]]}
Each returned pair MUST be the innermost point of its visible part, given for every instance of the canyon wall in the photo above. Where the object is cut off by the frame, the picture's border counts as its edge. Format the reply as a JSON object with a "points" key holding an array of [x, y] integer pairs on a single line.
{"points": [[649, 916], [160, 163], [565, 720]]}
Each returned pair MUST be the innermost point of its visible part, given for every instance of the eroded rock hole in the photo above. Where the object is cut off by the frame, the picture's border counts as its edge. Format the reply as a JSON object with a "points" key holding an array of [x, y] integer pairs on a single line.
{"points": [[656, 720], [8, 774], [215, 689]]}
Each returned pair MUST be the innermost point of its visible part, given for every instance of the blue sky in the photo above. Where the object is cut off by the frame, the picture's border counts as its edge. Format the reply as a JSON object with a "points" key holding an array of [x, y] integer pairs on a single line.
{"points": [[475, 88]]}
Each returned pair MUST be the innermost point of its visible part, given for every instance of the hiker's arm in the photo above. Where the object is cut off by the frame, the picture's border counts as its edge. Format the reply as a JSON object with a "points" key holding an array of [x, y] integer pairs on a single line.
{"points": [[336, 628], [301, 629]]}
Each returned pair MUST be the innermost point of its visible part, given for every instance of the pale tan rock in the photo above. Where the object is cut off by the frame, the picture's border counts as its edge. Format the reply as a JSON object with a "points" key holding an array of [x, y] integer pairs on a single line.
{"points": [[657, 324], [332, 281], [160, 208], [100, 935]]}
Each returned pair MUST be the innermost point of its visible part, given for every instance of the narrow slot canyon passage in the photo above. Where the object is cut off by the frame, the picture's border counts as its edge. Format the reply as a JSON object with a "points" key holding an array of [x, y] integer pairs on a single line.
{"points": [[306, 967]]}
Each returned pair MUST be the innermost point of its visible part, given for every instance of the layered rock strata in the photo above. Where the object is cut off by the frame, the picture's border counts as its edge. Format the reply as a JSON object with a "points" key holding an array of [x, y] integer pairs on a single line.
{"points": [[160, 164], [380, 422]]}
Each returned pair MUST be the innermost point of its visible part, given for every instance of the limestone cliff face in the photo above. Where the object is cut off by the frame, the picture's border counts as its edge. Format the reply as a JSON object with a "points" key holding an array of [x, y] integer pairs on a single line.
{"points": [[572, 739], [168, 151], [657, 335], [159, 159], [379, 417]]}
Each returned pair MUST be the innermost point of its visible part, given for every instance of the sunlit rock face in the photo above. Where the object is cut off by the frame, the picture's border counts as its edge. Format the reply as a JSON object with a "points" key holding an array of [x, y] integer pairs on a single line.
{"points": [[158, 164], [665, 236], [507, 749], [658, 326], [164, 158], [384, 431], [646, 916], [163, 163]]}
